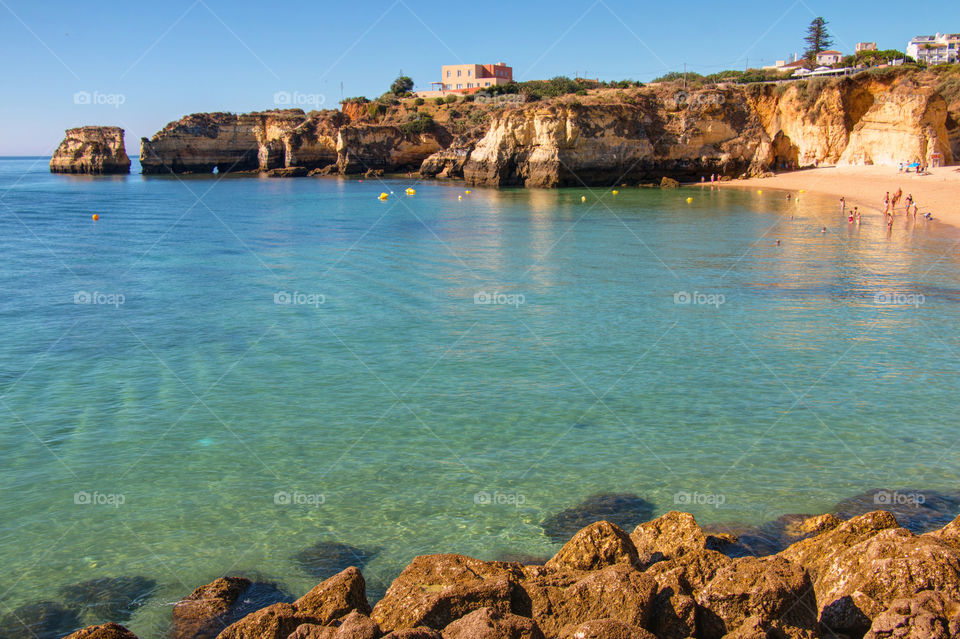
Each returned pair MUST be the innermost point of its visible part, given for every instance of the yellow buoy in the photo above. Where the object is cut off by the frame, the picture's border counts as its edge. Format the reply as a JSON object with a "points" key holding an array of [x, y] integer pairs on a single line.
{"points": [[468, 192], [95, 217], [411, 191], [689, 200], [459, 197], [759, 191], [803, 190], [615, 192], [583, 198], [384, 196]]}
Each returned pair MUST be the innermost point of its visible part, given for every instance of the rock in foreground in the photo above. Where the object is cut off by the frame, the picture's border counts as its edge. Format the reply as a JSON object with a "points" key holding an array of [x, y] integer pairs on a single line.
{"points": [[94, 150]]}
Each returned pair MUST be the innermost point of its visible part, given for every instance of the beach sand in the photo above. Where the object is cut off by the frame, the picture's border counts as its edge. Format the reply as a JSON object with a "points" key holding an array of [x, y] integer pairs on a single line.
{"points": [[865, 186]]}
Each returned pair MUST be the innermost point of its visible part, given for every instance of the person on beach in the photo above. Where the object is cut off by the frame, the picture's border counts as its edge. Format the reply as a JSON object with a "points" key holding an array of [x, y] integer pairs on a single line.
{"points": [[823, 230], [858, 218], [843, 204], [886, 202]]}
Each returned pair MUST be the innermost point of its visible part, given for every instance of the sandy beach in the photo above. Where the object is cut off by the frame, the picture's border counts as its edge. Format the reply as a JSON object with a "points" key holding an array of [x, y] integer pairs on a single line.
{"points": [[937, 192]]}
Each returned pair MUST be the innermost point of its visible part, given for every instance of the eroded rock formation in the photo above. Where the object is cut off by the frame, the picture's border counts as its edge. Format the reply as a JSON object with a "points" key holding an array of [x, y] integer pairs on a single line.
{"points": [[92, 150]]}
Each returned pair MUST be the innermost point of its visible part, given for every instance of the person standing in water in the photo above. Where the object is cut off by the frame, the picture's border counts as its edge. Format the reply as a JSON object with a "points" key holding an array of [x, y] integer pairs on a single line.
{"points": [[843, 205]]}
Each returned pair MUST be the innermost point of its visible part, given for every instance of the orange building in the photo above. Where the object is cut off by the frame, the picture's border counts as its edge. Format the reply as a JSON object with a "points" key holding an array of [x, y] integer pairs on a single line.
{"points": [[467, 78]]}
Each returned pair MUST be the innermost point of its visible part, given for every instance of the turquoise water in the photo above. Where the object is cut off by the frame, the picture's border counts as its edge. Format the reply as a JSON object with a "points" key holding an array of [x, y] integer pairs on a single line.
{"points": [[188, 404]]}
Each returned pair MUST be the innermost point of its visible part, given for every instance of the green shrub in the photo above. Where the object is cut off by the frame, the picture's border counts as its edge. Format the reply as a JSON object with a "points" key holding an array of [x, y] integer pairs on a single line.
{"points": [[376, 110], [468, 98], [450, 99], [419, 102], [439, 101], [423, 124]]}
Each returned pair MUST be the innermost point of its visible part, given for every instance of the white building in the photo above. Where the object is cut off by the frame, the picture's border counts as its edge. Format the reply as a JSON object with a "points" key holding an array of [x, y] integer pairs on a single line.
{"points": [[866, 46], [942, 48], [826, 58]]}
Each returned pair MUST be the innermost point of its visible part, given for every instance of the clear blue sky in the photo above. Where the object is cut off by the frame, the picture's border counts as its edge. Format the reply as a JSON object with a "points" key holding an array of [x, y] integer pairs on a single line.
{"points": [[167, 59]]}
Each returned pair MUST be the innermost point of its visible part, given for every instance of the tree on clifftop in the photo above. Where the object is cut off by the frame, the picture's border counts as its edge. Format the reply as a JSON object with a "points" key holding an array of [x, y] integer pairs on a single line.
{"points": [[402, 85], [817, 38]]}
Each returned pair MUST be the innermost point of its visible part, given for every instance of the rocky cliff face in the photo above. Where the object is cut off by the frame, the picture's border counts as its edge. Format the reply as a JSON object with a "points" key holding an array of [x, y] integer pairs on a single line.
{"points": [[611, 137], [91, 149], [731, 131], [282, 140], [571, 145]]}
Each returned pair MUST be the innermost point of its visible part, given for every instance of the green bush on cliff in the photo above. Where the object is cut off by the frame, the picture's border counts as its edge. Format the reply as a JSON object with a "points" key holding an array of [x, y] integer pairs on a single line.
{"points": [[423, 124], [419, 102], [450, 99], [376, 110], [439, 101]]}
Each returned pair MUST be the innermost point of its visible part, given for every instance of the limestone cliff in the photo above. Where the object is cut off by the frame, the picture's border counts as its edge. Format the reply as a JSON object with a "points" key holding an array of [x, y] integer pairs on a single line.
{"points": [[573, 144], [605, 137], [282, 139], [91, 149]]}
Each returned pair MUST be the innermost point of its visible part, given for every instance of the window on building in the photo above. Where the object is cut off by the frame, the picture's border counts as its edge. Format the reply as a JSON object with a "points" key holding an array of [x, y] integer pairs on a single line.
{"points": [[469, 85], [469, 72], [459, 86], [486, 84], [459, 72], [448, 74]]}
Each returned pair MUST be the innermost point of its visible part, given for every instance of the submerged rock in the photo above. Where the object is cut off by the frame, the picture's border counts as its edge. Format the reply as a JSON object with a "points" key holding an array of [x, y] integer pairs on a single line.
{"points": [[91, 150], [624, 510], [769, 538], [108, 598], [918, 511], [326, 558], [40, 620]]}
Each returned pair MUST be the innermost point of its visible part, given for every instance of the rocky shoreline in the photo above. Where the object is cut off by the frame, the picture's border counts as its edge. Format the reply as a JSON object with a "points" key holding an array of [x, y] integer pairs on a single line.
{"points": [[865, 576], [607, 137]]}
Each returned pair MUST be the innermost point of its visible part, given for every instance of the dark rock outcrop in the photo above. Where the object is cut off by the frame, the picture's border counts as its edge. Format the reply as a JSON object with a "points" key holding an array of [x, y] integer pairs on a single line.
{"points": [[326, 558], [623, 510], [91, 150], [39, 620], [108, 598]]}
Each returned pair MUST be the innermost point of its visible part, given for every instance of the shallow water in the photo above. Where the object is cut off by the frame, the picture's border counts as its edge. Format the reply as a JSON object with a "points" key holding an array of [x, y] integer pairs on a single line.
{"points": [[400, 417]]}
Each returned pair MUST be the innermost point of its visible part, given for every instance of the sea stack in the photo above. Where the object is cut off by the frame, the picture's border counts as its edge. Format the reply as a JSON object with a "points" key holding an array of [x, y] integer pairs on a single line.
{"points": [[97, 150]]}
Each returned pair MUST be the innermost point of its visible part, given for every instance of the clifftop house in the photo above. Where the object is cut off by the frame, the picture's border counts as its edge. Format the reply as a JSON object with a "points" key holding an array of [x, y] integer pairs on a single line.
{"points": [[469, 78], [942, 48], [826, 58]]}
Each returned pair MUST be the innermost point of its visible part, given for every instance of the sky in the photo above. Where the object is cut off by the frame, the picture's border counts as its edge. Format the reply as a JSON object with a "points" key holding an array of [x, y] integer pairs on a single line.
{"points": [[140, 65]]}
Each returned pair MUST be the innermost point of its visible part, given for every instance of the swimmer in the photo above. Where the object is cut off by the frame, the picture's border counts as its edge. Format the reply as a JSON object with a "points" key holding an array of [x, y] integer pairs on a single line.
{"points": [[823, 230]]}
